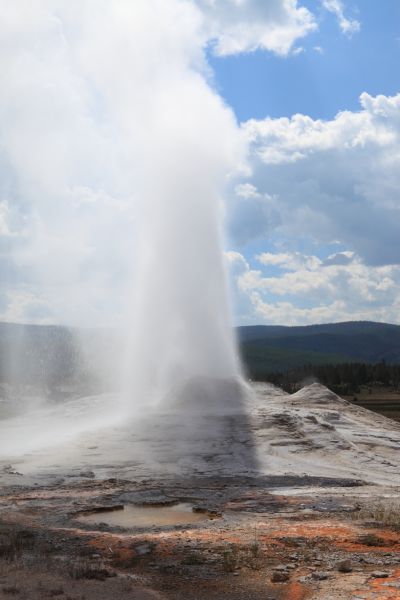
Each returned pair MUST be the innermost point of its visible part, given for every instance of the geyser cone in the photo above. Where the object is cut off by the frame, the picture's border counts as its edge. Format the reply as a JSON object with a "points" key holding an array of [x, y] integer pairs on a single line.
{"points": [[200, 426], [207, 396]]}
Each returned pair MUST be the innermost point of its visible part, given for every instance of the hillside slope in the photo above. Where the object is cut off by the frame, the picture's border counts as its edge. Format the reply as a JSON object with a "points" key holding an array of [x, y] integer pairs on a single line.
{"points": [[51, 356], [275, 347]]}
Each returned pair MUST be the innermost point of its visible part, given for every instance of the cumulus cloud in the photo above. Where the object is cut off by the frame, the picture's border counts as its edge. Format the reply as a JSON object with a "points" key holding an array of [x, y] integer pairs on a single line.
{"points": [[335, 180], [329, 182], [82, 140], [308, 289], [250, 215], [237, 26], [339, 258], [347, 26], [290, 261]]}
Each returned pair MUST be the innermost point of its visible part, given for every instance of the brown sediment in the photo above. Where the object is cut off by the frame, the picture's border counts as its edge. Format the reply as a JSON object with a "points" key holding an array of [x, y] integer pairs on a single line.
{"points": [[221, 558], [296, 591], [381, 588], [343, 535]]}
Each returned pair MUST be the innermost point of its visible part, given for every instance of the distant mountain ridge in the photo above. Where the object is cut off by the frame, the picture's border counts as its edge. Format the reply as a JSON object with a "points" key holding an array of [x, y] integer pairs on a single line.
{"points": [[251, 332], [50, 355], [267, 348]]}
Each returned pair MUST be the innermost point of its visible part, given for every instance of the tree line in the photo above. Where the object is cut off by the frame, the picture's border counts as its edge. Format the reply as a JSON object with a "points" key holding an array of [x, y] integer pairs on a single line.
{"points": [[343, 379]]}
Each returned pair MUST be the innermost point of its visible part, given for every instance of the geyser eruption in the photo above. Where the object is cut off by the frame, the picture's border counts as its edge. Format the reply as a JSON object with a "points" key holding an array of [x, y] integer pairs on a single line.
{"points": [[127, 151], [180, 311], [179, 144], [182, 369]]}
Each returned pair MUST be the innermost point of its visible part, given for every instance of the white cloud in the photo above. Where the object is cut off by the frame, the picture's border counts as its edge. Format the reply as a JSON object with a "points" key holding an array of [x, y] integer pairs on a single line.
{"points": [[81, 141], [311, 277], [347, 26], [289, 261], [246, 25], [339, 258], [309, 289], [290, 314], [246, 190], [334, 180], [24, 304], [98, 100], [5, 215], [292, 139], [250, 215]]}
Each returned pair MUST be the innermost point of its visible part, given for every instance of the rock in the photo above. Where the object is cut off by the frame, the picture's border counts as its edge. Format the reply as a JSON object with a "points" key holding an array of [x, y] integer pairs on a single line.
{"points": [[171, 567], [143, 549], [135, 578], [344, 567], [281, 567], [380, 574], [320, 575], [9, 470], [87, 474], [280, 577]]}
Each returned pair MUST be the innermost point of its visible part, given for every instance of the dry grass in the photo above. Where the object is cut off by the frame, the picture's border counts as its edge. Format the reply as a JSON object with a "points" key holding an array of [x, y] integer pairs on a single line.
{"points": [[246, 555], [230, 558], [382, 512], [85, 569], [11, 589], [15, 542], [370, 539]]}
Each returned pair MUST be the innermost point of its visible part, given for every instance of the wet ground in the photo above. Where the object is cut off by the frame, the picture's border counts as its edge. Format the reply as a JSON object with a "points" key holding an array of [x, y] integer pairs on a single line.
{"points": [[134, 516], [287, 497], [320, 541]]}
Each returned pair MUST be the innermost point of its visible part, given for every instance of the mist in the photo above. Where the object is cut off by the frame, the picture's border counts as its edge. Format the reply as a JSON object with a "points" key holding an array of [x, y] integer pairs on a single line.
{"points": [[121, 151]]}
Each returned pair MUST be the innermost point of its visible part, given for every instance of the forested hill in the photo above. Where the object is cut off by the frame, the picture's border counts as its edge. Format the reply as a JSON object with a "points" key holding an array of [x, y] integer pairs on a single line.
{"points": [[50, 355], [270, 348]]}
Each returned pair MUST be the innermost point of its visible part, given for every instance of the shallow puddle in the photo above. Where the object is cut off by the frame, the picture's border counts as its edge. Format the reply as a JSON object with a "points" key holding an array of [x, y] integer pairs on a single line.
{"points": [[147, 516]]}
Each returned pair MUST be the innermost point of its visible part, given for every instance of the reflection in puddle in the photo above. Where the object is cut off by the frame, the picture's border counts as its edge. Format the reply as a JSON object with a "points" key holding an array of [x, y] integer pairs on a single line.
{"points": [[147, 516]]}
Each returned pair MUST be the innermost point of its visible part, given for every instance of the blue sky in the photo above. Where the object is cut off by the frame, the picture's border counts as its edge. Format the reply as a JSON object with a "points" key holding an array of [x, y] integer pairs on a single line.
{"points": [[325, 73], [328, 76]]}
